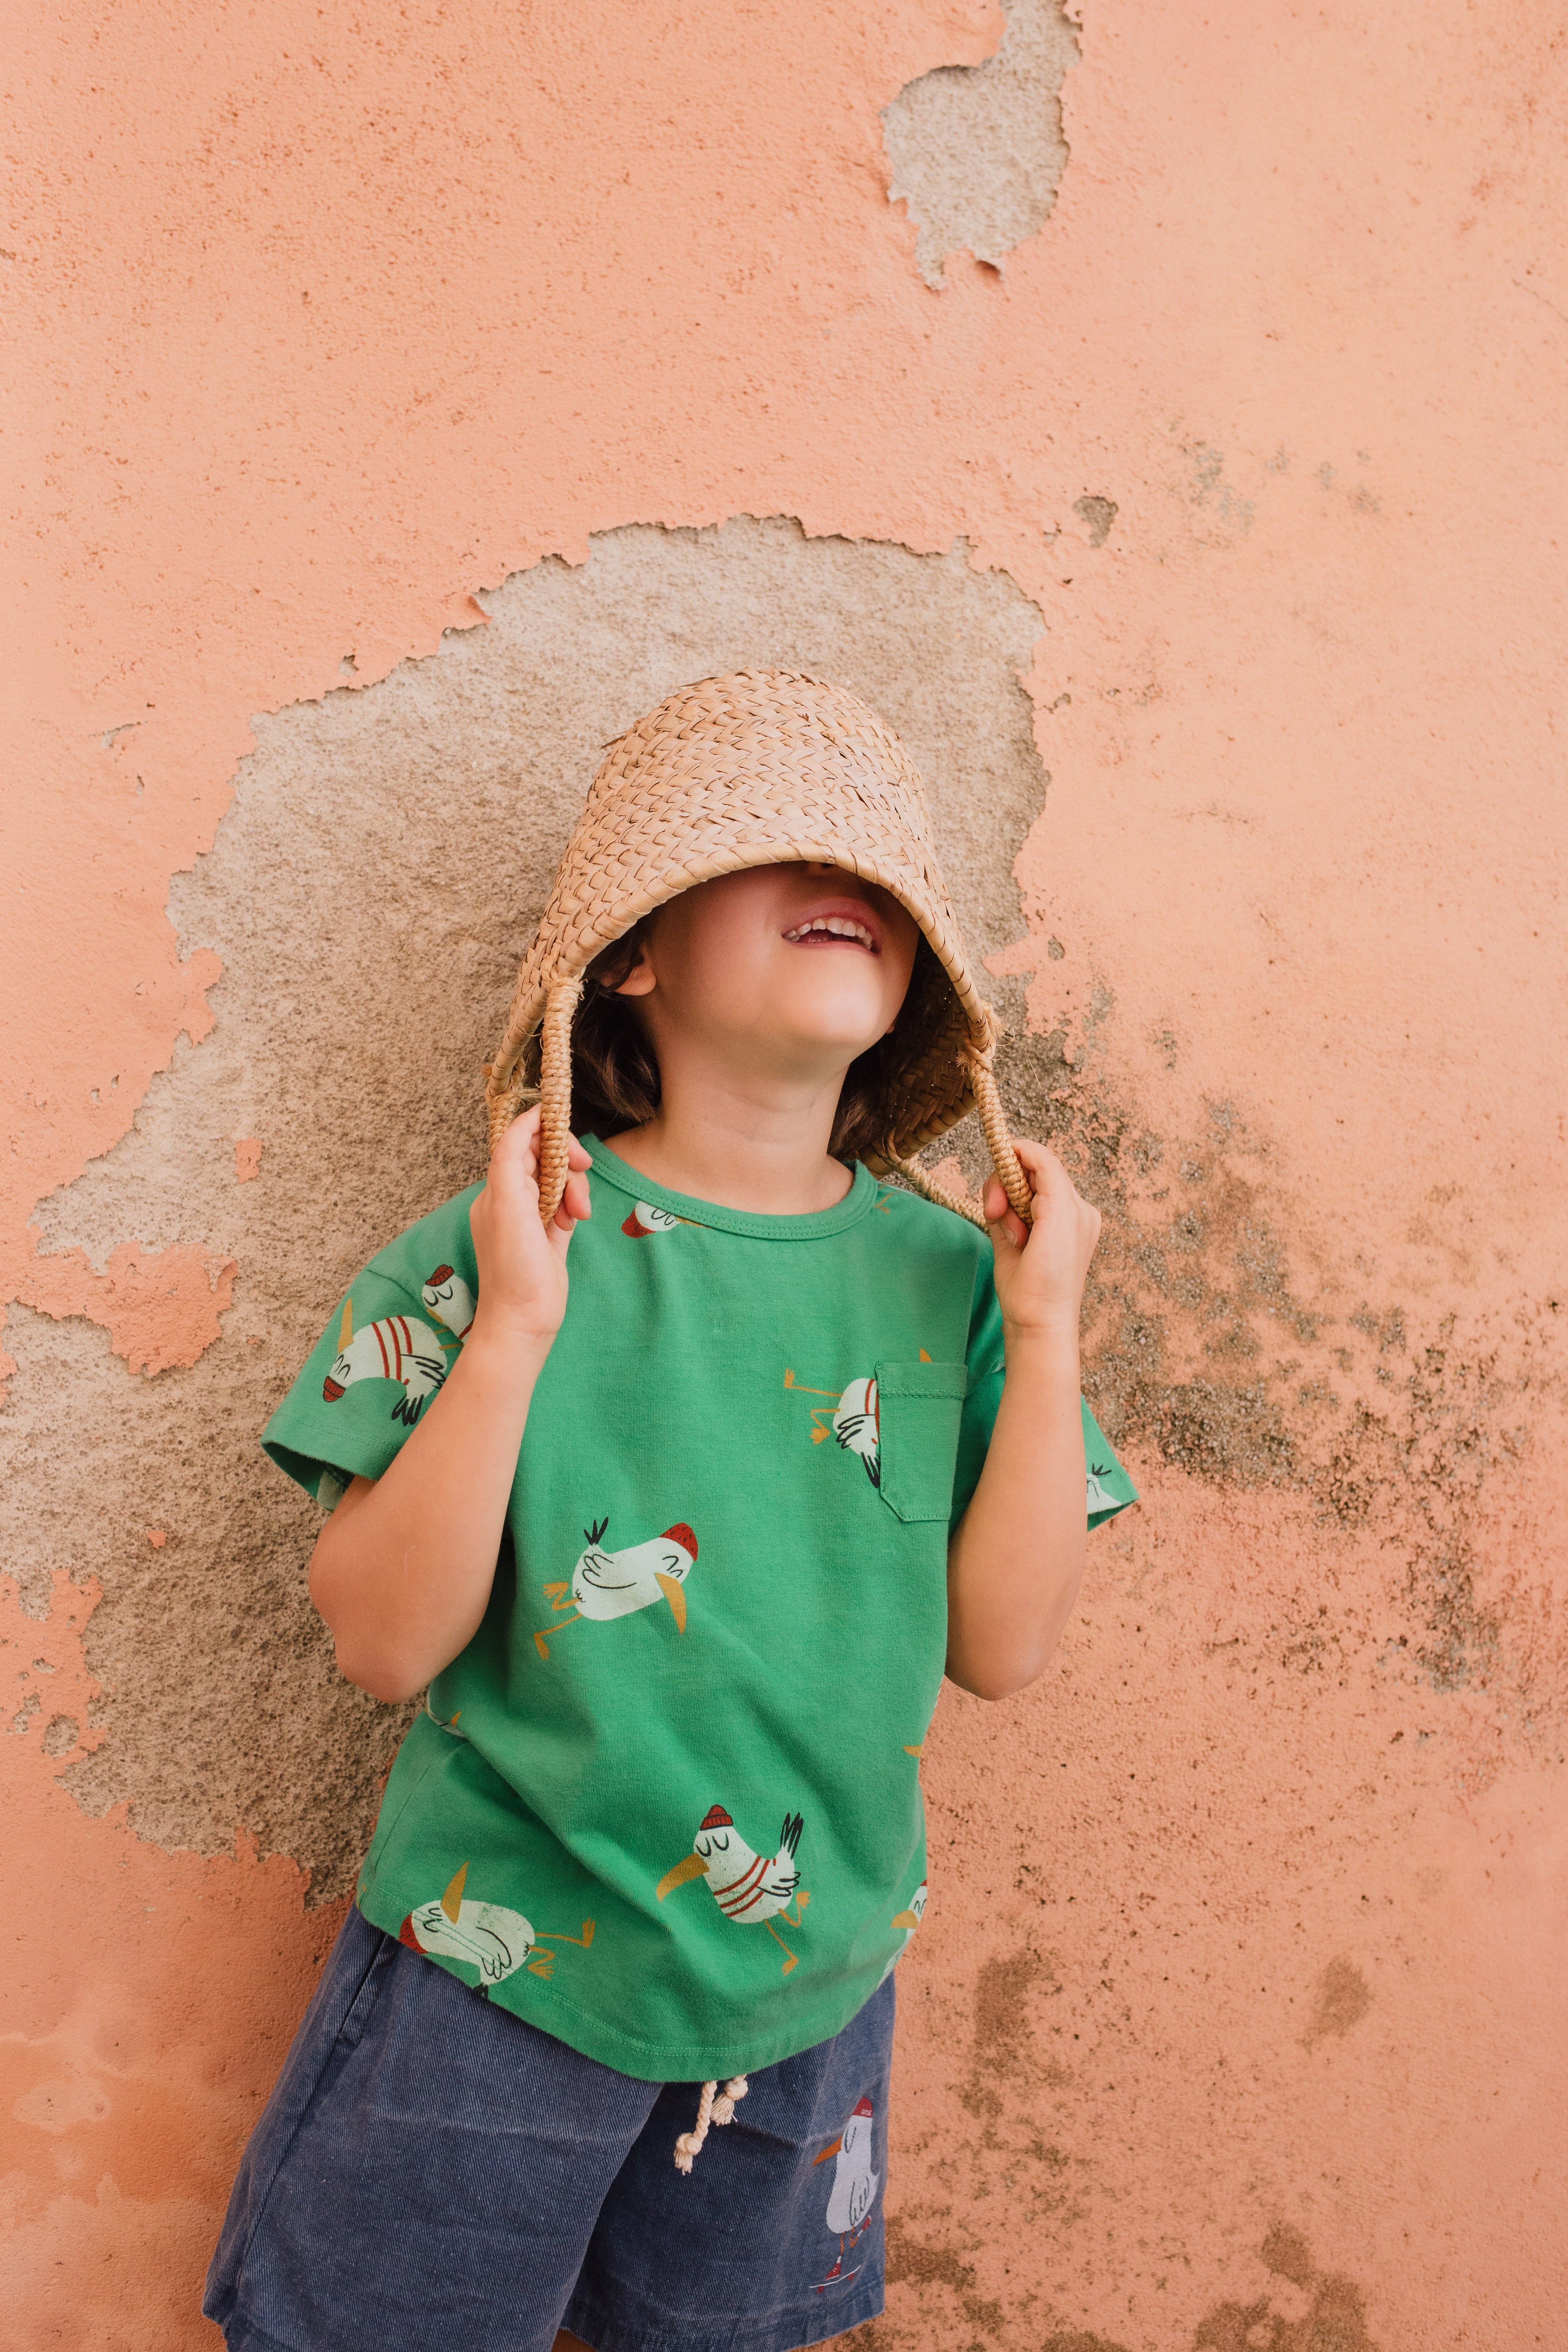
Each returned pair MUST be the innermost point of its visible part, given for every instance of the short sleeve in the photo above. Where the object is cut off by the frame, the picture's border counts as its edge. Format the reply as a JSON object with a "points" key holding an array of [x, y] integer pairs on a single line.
{"points": [[1108, 1488], [382, 1358], [987, 1367]]}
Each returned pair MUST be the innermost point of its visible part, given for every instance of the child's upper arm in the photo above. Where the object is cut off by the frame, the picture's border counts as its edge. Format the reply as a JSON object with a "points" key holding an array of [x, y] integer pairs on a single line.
{"points": [[1108, 1487]]}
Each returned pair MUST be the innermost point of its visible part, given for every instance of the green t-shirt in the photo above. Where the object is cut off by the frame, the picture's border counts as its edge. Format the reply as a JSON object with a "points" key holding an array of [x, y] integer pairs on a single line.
{"points": [[666, 1805]]}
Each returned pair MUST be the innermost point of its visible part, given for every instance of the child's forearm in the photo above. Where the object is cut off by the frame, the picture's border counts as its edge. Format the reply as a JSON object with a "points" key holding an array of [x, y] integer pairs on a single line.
{"points": [[402, 1571], [1017, 1558]]}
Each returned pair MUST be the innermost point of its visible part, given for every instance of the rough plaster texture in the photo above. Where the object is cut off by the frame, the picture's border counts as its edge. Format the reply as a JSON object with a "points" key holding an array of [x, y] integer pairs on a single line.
{"points": [[1235, 2019], [977, 152], [382, 863]]}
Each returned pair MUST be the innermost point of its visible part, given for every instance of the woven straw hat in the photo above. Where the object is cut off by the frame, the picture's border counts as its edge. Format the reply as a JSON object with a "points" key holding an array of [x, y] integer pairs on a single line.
{"points": [[760, 768]]}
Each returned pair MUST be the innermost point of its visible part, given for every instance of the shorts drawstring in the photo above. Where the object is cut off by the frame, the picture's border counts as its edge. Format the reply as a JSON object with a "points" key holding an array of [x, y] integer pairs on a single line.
{"points": [[709, 2109]]}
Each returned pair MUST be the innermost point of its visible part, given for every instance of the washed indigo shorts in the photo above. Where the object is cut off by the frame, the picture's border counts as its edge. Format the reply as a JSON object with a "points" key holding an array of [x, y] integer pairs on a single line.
{"points": [[431, 2169]]}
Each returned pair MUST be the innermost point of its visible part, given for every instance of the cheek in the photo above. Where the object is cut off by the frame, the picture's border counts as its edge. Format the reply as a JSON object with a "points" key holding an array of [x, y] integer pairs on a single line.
{"points": [[719, 952]]}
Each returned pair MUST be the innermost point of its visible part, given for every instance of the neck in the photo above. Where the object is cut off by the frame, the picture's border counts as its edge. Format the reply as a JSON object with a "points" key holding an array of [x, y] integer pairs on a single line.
{"points": [[743, 1144]]}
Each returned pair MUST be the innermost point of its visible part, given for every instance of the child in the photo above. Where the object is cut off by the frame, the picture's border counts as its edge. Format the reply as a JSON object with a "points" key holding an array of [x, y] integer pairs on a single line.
{"points": [[682, 1551]]}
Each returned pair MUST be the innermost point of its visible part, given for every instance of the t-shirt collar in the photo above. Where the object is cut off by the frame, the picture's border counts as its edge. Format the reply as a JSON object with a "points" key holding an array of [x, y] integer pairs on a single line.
{"points": [[819, 1225]]}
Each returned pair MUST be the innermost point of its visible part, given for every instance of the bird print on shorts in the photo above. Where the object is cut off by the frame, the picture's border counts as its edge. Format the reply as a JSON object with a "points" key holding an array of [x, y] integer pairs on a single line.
{"points": [[854, 2190], [751, 1889], [490, 1937], [606, 1584]]}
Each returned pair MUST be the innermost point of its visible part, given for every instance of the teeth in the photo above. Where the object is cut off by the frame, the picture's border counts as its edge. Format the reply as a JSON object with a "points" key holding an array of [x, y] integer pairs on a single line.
{"points": [[840, 926]]}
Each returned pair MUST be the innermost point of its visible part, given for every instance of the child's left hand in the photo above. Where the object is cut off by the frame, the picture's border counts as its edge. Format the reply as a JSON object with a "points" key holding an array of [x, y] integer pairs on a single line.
{"points": [[1040, 1271]]}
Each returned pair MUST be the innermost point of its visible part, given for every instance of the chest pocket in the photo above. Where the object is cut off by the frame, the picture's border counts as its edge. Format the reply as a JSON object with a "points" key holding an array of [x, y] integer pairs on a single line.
{"points": [[918, 1407]]}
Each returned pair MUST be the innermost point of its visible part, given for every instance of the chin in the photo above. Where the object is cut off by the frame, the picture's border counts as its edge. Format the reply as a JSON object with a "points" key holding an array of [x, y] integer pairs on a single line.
{"points": [[830, 1024], [827, 1041]]}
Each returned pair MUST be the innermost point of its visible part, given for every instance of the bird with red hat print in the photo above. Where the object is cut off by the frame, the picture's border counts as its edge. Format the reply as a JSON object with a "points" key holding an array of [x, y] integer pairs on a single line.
{"points": [[751, 1888], [645, 1220], [855, 2186], [487, 1935], [606, 1584], [448, 1297], [397, 1348], [852, 1418]]}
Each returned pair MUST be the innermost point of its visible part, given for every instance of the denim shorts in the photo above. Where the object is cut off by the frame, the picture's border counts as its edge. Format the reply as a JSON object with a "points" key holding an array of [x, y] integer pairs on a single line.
{"points": [[430, 2169]]}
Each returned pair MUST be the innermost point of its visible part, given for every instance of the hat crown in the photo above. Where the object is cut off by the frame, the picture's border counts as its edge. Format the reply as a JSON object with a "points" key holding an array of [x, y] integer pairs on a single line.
{"points": [[755, 768]]}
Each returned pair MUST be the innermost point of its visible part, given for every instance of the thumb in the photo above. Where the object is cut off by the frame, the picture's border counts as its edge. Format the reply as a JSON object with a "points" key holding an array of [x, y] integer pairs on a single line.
{"points": [[1002, 1219]]}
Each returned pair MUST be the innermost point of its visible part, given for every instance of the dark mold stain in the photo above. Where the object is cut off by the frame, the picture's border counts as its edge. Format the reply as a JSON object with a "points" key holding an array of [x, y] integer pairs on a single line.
{"points": [[1199, 1344], [1335, 2322], [1003, 2030], [911, 2262], [1096, 515], [1344, 1999]]}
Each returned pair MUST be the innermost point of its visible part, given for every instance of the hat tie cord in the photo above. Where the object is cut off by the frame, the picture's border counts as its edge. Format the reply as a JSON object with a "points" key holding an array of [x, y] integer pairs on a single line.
{"points": [[555, 1094], [976, 1054], [719, 2109]]}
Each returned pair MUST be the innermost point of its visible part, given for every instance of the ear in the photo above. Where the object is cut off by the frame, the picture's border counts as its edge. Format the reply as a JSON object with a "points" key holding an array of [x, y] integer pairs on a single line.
{"points": [[639, 981]]}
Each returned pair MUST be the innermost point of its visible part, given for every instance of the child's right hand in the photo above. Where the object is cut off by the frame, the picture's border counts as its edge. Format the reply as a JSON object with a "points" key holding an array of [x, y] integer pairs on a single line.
{"points": [[521, 1264]]}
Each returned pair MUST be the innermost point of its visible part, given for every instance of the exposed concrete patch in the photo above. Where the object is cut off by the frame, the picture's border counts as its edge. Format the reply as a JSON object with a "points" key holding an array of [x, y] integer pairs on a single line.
{"points": [[382, 865], [977, 152], [1097, 514]]}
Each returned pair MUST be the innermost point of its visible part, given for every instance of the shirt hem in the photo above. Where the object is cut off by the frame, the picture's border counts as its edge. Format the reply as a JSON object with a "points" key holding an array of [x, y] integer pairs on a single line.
{"points": [[626, 2053]]}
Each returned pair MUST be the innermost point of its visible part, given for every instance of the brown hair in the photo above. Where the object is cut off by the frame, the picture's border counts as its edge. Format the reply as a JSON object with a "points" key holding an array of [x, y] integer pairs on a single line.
{"points": [[615, 1072]]}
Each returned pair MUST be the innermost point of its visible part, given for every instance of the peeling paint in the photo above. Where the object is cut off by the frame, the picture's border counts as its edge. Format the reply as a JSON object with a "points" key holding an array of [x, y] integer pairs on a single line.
{"points": [[159, 1310], [323, 323], [977, 152], [385, 859]]}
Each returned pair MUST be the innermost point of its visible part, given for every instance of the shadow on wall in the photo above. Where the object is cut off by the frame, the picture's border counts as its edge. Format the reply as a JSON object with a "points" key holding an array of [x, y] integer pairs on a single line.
{"points": [[382, 866]]}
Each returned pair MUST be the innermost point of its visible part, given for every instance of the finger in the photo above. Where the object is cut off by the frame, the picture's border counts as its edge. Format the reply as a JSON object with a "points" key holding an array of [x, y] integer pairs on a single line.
{"points": [[576, 1200], [519, 1142], [575, 1156], [1001, 1217], [511, 1183], [1049, 1179], [1040, 1165]]}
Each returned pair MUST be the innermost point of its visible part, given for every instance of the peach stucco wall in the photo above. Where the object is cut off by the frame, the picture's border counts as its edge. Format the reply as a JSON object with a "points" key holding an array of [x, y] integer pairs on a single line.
{"points": [[1236, 2018]]}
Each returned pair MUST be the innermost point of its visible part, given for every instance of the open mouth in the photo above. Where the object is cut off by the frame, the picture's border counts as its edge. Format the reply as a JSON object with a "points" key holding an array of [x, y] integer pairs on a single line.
{"points": [[834, 930]]}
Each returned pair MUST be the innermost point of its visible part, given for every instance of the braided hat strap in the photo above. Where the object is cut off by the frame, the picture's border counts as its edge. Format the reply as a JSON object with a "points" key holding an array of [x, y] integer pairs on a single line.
{"points": [[915, 1177], [977, 1056], [556, 1093]]}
